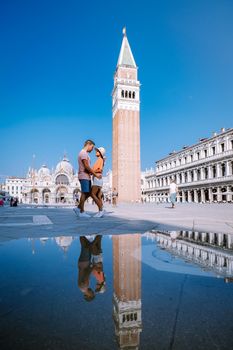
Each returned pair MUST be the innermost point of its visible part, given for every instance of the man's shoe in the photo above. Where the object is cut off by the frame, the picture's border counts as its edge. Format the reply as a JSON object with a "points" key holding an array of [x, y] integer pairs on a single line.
{"points": [[84, 215]]}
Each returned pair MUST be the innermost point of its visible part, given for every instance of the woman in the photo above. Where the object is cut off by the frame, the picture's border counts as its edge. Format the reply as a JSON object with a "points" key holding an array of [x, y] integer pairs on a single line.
{"points": [[96, 190]]}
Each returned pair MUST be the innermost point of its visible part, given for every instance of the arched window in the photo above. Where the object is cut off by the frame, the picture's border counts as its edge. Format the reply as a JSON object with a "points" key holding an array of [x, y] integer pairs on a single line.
{"points": [[133, 94], [62, 180], [122, 93], [126, 94], [129, 94]]}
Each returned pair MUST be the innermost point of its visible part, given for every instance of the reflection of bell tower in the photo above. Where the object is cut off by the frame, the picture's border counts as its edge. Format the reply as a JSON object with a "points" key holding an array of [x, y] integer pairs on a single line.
{"points": [[127, 290]]}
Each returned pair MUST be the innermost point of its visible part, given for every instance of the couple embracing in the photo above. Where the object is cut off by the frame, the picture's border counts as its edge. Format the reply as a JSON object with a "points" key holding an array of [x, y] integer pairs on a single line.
{"points": [[90, 178]]}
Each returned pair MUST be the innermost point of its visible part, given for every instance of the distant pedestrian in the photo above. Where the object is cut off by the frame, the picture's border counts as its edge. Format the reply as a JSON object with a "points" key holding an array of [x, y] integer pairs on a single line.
{"points": [[114, 197], [173, 189]]}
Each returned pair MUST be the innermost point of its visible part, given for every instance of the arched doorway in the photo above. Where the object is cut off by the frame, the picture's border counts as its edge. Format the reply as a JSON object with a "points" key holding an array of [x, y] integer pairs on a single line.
{"points": [[46, 195], [224, 196], [199, 196], [34, 196], [206, 193], [192, 195], [214, 191], [61, 194]]}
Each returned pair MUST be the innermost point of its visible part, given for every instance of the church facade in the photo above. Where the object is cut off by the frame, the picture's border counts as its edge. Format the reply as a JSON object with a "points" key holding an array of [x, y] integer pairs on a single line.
{"points": [[45, 186]]}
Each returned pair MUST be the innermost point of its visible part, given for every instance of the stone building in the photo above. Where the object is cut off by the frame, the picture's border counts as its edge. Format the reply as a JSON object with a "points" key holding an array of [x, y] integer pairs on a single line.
{"points": [[45, 186], [126, 165], [203, 172]]}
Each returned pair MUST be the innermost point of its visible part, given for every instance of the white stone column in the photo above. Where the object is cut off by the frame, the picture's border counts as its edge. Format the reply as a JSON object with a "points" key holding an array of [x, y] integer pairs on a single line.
{"points": [[195, 174], [178, 197], [228, 168], [183, 196], [220, 239], [189, 197], [210, 195], [195, 196], [211, 237], [203, 236], [229, 241], [210, 172], [218, 170], [202, 174], [182, 178], [219, 195], [229, 196], [202, 195], [177, 179]]}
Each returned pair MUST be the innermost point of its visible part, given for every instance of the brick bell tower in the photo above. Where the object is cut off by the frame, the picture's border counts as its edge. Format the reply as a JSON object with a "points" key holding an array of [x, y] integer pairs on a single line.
{"points": [[126, 167]]}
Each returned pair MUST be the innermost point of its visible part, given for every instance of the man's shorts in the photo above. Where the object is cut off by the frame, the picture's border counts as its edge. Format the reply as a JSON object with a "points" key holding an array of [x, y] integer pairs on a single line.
{"points": [[85, 186]]}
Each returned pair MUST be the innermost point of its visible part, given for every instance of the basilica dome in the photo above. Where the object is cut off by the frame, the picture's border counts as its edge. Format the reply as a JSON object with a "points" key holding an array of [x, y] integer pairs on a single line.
{"points": [[43, 171], [65, 166]]}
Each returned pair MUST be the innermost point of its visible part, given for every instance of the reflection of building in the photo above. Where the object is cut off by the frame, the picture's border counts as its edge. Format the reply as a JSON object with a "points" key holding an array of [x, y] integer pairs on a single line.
{"points": [[64, 242], [203, 172], [45, 186], [126, 127], [127, 290], [210, 250]]}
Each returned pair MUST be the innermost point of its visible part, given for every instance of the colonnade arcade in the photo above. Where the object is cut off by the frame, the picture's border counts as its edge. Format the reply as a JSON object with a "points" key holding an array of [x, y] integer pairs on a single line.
{"points": [[60, 194]]}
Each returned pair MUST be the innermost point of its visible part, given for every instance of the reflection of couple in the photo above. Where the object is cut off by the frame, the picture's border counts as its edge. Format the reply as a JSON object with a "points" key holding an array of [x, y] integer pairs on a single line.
{"points": [[90, 263], [86, 173]]}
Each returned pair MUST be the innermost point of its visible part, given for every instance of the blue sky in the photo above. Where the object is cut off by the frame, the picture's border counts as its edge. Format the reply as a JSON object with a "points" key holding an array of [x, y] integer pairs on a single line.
{"points": [[57, 60]]}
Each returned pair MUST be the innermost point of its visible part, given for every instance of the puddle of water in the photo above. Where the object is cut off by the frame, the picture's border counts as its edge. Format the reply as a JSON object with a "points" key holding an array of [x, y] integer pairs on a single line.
{"points": [[163, 290]]}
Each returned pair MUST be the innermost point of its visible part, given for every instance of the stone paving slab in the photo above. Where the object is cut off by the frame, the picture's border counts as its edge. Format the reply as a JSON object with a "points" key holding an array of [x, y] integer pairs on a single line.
{"points": [[135, 218]]}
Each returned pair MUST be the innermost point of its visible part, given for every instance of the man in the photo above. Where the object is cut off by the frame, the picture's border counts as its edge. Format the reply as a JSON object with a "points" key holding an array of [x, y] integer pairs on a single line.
{"points": [[173, 192], [84, 175]]}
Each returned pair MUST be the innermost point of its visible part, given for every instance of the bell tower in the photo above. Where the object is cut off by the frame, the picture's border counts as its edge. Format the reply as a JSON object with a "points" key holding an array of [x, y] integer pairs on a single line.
{"points": [[126, 167]]}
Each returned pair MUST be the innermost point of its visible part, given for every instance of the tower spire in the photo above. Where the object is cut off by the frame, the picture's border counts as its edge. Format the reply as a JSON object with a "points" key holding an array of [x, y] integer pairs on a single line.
{"points": [[126, 57]]}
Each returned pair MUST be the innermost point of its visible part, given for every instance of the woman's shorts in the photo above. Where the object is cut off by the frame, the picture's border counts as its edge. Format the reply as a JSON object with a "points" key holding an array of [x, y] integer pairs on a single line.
{"points": [[97, 182]]}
